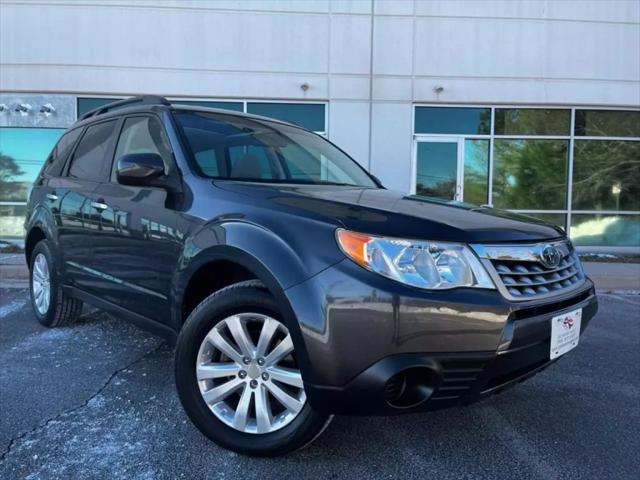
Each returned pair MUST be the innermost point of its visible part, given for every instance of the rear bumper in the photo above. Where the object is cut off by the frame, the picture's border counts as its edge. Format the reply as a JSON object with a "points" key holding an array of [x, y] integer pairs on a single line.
{"points": [[441, 379]]}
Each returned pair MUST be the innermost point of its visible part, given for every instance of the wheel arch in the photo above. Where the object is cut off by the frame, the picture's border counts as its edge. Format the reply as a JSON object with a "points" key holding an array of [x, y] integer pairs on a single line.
{"points": [[246, 266]]}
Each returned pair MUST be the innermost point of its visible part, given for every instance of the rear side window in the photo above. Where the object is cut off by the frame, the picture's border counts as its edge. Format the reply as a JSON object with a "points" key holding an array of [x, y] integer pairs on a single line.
{"points": [[143, 135], [90, 158], [61, 151]]}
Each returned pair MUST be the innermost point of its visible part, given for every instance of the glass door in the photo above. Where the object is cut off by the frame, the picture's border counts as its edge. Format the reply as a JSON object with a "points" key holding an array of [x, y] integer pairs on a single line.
{"points": [[438, 168]]}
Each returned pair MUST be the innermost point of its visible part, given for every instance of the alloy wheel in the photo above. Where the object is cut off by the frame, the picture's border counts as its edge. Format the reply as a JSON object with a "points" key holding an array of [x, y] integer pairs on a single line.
{"points": [[248, 373], [41, 284]]}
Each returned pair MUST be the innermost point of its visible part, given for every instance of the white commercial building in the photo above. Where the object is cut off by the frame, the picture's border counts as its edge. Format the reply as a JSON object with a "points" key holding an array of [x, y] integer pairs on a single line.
{"points": [[523, 104]]}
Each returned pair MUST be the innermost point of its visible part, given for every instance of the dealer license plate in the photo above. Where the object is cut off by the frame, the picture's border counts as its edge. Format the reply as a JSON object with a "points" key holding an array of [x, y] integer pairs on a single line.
{"points": [[565, 333]]}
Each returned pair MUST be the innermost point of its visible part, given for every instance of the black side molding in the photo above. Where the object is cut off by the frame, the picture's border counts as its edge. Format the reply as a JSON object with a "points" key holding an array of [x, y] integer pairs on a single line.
{"points": [[152, 326]]}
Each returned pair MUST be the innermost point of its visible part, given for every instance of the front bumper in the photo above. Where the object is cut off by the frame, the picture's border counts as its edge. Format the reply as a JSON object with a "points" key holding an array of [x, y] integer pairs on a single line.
{"points": [[367, 338]]}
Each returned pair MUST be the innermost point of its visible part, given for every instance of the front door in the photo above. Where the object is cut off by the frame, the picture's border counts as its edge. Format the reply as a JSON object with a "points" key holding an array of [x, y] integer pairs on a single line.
{"points": [[438, 168], [137, 246]]}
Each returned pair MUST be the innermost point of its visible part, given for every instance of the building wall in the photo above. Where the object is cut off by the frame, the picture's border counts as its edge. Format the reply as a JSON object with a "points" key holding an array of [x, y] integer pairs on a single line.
{"points": [[371, 60]]}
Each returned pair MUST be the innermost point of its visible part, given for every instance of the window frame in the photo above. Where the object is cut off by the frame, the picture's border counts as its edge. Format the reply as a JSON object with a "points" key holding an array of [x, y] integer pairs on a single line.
{"points": [[568, 211], [170, 167], [109, 153]]}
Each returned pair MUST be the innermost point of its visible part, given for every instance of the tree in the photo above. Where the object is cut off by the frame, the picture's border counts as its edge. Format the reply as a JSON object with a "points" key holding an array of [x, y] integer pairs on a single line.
{"points": [[10, 187]]}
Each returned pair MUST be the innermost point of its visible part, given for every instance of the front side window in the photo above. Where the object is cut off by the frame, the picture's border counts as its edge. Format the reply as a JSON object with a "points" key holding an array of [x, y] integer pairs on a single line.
{"points": [[227, 146], [90, 158], [143, 135]]}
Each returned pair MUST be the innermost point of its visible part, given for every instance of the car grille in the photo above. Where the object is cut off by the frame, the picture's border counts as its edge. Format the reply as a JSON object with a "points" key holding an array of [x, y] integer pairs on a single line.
{"points": [[520, 274], [528, 279]]}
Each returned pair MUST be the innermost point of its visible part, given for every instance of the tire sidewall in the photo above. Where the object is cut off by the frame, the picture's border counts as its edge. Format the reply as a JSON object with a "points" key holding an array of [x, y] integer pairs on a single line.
{"points": [[211, 311], [46, 319]]}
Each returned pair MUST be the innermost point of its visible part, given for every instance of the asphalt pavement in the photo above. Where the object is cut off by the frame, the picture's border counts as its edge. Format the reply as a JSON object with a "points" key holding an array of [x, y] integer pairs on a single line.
{"points": [[97, 400]]}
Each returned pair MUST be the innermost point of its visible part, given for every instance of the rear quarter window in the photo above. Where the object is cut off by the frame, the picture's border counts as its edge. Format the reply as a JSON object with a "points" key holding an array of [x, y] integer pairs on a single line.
{"points": [[55, 163]]}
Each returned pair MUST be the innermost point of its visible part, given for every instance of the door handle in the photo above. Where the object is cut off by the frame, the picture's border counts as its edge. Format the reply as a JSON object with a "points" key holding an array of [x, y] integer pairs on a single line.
{"points": [[99, 205], [52, 196]]}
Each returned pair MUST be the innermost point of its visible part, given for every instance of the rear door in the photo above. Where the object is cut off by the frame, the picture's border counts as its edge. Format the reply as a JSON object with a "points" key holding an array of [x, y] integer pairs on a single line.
{"points": [[138, 246], [77, 207]]}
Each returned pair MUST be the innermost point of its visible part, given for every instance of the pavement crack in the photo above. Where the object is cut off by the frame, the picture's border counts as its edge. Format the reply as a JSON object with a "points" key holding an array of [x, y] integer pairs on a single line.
{"points": [[85, 403]]}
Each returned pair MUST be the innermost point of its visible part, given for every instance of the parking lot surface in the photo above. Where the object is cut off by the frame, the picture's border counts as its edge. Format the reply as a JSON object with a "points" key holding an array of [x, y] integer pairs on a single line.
{"points": [[97, 400]]}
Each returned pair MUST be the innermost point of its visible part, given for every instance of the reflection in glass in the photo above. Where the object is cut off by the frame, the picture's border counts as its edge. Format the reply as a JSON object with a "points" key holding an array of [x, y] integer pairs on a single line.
{"points": [[605, 230], [12, 221], [532, 121], [307, 115], [23, 151], [530, 174], [476, 171], [606, 175], [608, 123], [436, 169], [453, 120], [557, 219]]}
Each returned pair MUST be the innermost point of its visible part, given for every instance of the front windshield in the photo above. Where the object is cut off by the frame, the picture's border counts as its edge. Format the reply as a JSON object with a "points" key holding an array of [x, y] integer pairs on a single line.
{"points": [[242, 148]]}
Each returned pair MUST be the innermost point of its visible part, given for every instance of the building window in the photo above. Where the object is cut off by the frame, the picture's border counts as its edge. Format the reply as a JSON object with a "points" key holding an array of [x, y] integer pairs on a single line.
{"points": [[455, 120], [86, 104], [22, 154], [530, 174], [529, 153], [235, 106], [311, 116], [532, 121]]}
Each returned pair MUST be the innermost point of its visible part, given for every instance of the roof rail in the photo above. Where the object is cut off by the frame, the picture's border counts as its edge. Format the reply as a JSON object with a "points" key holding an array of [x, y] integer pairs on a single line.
{"points": [[143, 100]]}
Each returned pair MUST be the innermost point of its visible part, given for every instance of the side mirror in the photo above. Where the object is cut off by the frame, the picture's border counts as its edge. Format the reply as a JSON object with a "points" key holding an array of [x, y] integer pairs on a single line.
{"points": [[139, 169]]}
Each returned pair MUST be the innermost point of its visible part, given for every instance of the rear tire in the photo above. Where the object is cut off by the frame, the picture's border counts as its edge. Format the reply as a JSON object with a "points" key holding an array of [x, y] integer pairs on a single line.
{"points": [[51, 306], [245, 308]]}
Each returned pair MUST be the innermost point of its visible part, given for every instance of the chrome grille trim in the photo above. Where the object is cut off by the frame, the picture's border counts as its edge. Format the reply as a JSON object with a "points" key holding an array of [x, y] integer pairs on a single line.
{"points": [[520, 274]]}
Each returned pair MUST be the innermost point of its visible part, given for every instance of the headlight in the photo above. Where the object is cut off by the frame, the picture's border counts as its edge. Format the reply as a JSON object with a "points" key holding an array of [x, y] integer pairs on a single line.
{"points": [[422, 264]]}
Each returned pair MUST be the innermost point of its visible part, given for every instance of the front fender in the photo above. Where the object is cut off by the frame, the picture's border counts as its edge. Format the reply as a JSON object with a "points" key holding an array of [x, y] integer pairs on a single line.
{"points": [[260, 251]]}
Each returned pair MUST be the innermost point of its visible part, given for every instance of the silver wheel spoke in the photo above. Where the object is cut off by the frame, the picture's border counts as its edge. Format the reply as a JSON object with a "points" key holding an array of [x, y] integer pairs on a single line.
{"points": [[263, 411], [221, 392], [40, 284], [207, 371], [286, 375], [239, 332], [242, 410], [241, 380], [266, 334], [290, 403], [225, 347], [284, 348]]}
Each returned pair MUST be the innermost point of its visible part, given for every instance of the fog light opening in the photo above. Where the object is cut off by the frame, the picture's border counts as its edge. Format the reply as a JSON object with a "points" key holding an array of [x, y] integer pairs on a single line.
{"points": [[410, 387]]}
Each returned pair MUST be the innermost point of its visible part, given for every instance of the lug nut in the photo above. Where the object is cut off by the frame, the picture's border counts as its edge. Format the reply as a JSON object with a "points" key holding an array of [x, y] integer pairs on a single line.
{"points": [[261, 361], [254, 383], [265, 376], [246, 360], [242, 374]]}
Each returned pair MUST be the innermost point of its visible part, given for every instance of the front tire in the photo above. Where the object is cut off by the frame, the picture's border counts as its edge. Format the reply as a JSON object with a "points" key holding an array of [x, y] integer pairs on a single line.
{"points": [[237, 374], [51, 306]]}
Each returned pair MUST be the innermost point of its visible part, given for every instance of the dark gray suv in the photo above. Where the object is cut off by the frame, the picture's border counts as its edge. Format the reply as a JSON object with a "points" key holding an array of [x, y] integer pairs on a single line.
{"points": [[294, 285]]}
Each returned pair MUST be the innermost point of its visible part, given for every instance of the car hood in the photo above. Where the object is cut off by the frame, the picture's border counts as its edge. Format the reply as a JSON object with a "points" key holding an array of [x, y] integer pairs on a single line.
{"points": [[391, 213]]}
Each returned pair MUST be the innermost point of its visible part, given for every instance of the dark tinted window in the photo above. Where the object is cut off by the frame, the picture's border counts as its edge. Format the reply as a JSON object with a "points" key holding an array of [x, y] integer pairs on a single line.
{"points": [[61, 151], [235, 106], [143, 135], [608, 123], [87, 104], [532, 121], [89, 160], [453, 120], [307, 115]]}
